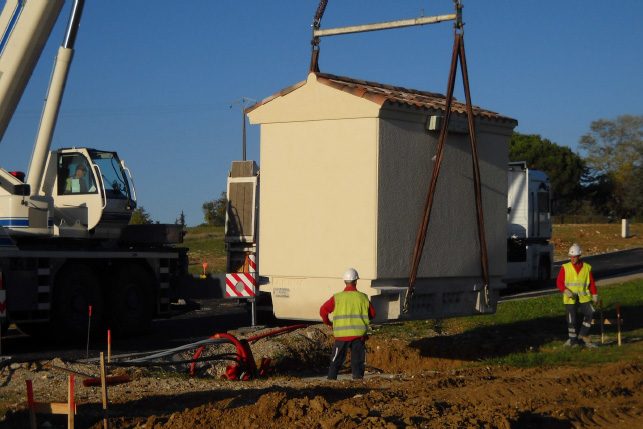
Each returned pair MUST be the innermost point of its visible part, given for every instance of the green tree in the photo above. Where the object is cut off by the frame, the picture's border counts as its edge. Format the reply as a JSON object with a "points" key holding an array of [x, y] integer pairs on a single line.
{"points": [[614, 154], [637, 197], [214, 211], [565, 169], [181, 219], [140, 217]]}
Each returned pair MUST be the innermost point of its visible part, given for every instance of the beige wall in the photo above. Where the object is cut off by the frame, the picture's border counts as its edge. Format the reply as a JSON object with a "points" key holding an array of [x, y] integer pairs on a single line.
{"points": [[313, 102], [318, 203]]}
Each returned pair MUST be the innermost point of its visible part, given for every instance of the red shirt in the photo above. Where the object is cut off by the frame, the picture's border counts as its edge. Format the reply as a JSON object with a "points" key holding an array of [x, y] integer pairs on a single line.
{"points": [[560, 280], [329, 306]]}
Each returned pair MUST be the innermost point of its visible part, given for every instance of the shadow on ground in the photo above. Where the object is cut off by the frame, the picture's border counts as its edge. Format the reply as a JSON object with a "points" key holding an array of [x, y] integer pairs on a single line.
{"points": [[502, 340], [161, 407]]}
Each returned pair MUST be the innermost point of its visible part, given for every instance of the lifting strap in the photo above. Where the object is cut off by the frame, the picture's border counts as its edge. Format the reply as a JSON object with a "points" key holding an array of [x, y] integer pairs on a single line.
{"points": [[458, 53]]}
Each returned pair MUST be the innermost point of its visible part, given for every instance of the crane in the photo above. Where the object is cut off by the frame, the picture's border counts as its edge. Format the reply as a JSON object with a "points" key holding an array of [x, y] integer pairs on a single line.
{"points": [[75, 192], [65, 242]]}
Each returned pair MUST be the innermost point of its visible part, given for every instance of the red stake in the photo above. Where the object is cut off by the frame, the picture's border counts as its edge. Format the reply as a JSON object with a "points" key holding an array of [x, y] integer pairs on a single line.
{"points": [[30, 405], [89, 324], [109, 345]]}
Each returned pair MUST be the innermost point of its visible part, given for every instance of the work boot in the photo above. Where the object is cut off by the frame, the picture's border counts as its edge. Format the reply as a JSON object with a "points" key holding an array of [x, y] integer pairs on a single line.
{"points": [[586, 343], [571, 343]]}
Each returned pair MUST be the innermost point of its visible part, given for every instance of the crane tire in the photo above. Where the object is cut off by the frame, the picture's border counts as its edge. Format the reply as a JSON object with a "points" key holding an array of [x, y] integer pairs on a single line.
{"points": [[76, 288], [131, 301]]}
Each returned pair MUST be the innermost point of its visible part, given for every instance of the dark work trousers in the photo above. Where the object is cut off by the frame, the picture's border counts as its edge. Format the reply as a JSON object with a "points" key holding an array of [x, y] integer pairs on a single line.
{"points": [[358, 355], [575, 331]]}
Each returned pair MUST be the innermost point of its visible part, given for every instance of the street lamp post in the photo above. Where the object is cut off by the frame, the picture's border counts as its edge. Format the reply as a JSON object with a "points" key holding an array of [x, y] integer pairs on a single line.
{"points": [[242, 101]]}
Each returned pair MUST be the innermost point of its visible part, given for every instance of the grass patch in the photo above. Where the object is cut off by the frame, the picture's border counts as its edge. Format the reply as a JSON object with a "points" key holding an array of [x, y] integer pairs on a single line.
{"points": [[206, 244], [557, 355], [528, 333]]}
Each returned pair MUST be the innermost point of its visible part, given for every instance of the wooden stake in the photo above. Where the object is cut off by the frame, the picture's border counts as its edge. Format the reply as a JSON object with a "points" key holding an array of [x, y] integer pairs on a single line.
{"points": [[71, 402], [68, 408], [600, 312], [103, 387], [618, 323]]}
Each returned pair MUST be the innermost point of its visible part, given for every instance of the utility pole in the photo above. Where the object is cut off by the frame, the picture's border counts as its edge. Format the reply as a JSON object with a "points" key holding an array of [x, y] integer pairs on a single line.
{"points": [[243, 101]]}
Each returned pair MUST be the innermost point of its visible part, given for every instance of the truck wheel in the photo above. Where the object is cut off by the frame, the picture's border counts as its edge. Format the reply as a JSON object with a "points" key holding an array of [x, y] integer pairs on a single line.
{"points": [[37, 330], [76, 289], [132, 301], [544, 271]]}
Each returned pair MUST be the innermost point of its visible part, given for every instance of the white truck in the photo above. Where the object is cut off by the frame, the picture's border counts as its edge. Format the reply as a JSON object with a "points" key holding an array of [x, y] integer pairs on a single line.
{"points": [[529, 252], [65, 242]]}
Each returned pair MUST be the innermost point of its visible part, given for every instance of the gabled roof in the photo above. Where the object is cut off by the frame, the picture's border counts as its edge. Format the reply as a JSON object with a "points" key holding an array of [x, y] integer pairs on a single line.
{"points": [[382, 94]]}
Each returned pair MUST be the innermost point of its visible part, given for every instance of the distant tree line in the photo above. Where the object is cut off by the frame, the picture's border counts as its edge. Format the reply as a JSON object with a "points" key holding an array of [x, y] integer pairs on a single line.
{"points": [[213, 213], [607, 179]]}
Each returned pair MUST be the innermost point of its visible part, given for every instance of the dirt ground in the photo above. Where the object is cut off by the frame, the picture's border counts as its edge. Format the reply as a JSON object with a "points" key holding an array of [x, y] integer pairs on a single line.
{"points": [[594, 238], [405, 387]]}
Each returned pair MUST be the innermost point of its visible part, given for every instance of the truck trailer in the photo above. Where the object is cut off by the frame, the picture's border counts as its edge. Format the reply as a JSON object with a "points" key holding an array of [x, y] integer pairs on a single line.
{"points": [[529, 252]]}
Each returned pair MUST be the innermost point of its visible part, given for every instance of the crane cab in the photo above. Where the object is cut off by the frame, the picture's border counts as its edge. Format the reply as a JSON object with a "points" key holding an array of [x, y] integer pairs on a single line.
{"points": [[92, 191]]}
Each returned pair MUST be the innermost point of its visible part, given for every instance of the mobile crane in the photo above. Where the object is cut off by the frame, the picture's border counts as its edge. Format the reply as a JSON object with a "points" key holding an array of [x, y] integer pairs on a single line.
{"points": [[65, 242]]}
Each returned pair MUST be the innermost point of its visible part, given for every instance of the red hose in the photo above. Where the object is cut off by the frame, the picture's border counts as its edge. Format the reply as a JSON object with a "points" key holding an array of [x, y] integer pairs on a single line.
{"points": [[244, 360], [244, 355], [276, 332]]}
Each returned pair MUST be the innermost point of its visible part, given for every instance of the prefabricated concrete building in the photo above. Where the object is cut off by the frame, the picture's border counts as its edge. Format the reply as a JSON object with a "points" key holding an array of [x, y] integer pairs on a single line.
{"points": [[345, 166]]}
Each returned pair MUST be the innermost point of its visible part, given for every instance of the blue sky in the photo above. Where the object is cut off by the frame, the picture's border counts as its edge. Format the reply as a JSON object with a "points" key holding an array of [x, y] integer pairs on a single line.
{"points": [[154, 80]]}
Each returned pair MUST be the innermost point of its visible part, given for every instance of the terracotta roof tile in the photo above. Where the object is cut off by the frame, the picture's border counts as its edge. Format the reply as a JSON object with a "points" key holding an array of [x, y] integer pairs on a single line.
{"points": [[380, 93]]}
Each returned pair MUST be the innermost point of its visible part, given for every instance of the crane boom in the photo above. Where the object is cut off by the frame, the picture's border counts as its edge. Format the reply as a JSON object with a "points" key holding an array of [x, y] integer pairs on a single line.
{"points": [[25, 27], [54, 99]]}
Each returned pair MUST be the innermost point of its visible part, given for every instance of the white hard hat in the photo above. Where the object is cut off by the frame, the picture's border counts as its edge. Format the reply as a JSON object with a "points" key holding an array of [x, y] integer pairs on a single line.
{"points": [[350, 275], [575, 250]]}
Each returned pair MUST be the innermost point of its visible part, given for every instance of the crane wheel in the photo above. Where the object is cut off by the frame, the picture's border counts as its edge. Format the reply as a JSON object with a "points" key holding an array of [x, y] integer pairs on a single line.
{"points": [[4, 327], [75, 290], [132, 301]]}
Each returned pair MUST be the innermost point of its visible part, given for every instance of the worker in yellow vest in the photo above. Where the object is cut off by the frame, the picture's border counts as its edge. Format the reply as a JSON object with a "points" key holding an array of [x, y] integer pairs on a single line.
{"points": [[576, 282], [352, 313]]}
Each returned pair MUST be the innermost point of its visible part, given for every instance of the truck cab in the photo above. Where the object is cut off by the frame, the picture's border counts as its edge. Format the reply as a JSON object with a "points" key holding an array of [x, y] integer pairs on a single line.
{"points": [[529, 252], [92, 191]]}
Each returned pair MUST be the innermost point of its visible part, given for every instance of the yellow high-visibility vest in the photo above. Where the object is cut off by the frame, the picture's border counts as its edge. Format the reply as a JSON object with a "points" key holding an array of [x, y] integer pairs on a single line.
{"points": [[350, 317], [578, 283]]}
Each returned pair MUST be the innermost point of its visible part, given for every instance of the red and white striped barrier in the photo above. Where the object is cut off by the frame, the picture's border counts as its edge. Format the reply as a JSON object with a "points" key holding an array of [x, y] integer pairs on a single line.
{"points": [[242, 285]]}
